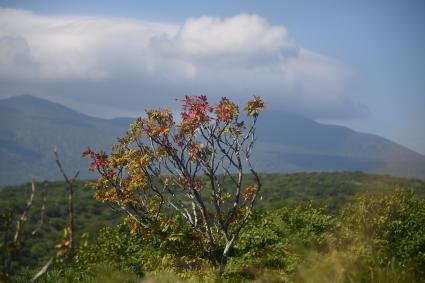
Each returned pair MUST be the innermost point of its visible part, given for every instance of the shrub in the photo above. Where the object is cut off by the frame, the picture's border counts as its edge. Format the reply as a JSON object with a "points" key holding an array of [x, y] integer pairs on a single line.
{"points": [[387, 230], [156, 170]]}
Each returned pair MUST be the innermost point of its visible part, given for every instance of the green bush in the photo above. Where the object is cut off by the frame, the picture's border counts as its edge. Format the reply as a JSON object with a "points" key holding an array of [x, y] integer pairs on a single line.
{"points": [[387, 230], [274, 243]]}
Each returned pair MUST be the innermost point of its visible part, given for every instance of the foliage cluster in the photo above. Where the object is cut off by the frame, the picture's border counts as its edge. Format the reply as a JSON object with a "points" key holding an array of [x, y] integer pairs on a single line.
{"points": [[387, 230], [376, 238]]}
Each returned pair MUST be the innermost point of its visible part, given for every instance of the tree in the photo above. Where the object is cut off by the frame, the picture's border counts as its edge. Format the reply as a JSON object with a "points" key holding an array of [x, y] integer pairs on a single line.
{"points": [[193, 167]]}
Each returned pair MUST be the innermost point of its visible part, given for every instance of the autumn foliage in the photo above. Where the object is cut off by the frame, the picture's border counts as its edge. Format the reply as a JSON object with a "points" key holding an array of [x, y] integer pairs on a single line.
{"points": [[162, 167]]}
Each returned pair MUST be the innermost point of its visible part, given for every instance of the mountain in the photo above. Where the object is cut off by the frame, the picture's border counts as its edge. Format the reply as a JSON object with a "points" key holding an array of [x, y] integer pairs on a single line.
{"points": [[30, 127], [291, 143]]}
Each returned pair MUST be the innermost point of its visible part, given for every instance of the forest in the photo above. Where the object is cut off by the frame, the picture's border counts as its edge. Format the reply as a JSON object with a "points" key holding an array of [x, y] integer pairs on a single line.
{"points": [[337, 226]]}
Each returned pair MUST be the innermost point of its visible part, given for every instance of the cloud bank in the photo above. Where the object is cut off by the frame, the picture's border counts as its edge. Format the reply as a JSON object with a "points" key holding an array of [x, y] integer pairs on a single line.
{"points": [[97, 63]]}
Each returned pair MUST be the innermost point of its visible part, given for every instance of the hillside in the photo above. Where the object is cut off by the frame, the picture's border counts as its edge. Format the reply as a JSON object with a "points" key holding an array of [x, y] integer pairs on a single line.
{"points": [[280, 190], [290, 143], [30, 127]]}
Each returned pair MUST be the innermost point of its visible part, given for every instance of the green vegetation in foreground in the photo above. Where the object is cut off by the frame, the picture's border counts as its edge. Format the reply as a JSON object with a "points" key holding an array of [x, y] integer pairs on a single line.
{"points": [[379, 237], [90, 217], [376, 238]]}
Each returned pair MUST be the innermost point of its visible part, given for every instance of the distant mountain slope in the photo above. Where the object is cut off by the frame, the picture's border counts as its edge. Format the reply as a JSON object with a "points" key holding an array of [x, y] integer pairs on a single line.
{"points": [[30, 127], [292, 143]]}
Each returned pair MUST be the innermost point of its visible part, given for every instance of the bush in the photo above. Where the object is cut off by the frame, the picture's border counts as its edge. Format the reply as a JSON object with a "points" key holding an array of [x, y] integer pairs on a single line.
{"points": [[276, 242], [387, 230]]}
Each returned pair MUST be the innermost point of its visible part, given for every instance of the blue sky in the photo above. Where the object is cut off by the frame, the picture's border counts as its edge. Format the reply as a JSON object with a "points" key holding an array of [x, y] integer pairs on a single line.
{"points": [[354, 63]]}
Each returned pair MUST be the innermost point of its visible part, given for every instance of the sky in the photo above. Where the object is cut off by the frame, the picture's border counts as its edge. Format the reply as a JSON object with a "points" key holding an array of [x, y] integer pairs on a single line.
{"points": [[355, 63]]}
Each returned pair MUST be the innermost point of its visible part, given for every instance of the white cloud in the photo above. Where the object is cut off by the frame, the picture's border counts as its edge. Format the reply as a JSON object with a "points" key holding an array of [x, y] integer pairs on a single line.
{"points": [[15, 57], [243, 36], [122, 62]]}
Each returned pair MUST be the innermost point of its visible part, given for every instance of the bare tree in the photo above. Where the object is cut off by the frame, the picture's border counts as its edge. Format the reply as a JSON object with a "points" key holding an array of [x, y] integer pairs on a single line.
{"points": [[70, 188], [69, 244]]}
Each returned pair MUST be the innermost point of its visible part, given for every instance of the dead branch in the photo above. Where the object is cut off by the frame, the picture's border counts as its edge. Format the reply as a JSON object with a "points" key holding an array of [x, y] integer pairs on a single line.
{"points": [[24, 216], [70, 184], [42, 212], [43, 270]]}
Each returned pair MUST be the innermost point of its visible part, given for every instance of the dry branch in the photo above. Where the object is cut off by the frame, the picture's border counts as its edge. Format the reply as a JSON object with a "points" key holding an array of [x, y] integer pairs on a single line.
{"points": [[70, 184]]}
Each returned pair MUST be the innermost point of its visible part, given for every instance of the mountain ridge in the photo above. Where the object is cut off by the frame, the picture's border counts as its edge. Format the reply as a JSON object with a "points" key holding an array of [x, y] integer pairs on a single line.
{"points": [[32, 126]]}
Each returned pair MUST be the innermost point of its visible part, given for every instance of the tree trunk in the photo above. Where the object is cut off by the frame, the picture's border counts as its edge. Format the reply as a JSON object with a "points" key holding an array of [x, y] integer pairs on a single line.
{"points": [[224, 257]]}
